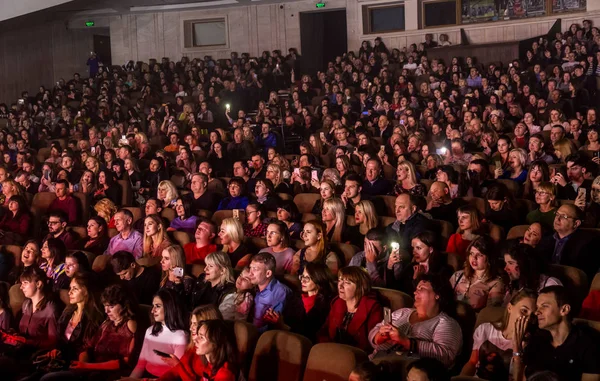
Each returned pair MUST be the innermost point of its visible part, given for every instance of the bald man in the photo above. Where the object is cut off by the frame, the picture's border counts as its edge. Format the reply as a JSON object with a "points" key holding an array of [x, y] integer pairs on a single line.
{"points": [[440, 205]]}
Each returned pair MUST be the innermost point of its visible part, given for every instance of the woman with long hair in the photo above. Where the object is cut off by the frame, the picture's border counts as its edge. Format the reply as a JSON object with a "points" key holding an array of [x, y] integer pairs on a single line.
{"points": [[501, 207], [185, 221], [155, 236], [108, 187], [470, 226], [327, 191], [53, 252], [365, 219], [30, 256], [174, 274], [334, 218], [278, 245], [406, 181], [97, 239], [539, 171], [186, 161], [168, 334], [106, 209], [315, 249], [563, 148], [231, 235], [517, 159], [216, 285], [479, 283], [288, 213], [16, 222], [87, 183], [167, 193], [265, 195]]}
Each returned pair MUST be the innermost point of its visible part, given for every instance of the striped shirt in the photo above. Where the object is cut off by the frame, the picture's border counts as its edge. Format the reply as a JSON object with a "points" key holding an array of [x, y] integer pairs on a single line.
{"points": [[439, 337]]}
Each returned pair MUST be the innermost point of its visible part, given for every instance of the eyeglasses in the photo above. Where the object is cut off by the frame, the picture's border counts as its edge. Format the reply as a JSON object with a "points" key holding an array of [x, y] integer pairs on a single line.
{"points": [[304, 279], [561, 216], [53, 222], [541, 193]]}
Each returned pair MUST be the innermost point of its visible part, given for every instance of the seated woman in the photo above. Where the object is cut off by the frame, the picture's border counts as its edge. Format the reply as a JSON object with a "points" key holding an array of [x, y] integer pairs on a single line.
{"points": [[334, 218], [525, 270], [545, 198], [53, 263], [254, 226], [538, 172], [30, 256], [215, 357], [174, 276], [106, 355], [517, 159], [470, 226], [327, 191], [288, 213], [6, 315], [425, 260], [186, 161], [318, 290], [406, 180], [167, 194], [216, 285], [479, 284], [231, 235], [427, 330], [106, 209], [236, 198], [493, 344], [167, 334], [278, 242], [153, 177], [354, 312], [275, 175], [265, 195], [86, 184], [447, 174], [16, 222], [533, 235], [185, 221], [501, 207], [97, 239], [108, 187], [315, 249], [365, 218], [155, 236]]}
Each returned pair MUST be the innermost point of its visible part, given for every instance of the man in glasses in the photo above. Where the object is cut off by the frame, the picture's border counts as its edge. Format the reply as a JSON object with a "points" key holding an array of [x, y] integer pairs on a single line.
{"points": [[569, 245], [57, 228]]}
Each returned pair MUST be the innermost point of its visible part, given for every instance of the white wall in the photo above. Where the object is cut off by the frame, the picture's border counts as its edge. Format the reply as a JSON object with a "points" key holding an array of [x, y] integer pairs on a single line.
{"points": [[254, 28], [15, 8]]}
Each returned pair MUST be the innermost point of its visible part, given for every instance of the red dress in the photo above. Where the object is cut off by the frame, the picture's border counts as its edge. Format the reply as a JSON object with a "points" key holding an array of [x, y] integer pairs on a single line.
{"points": [[192, 368]]}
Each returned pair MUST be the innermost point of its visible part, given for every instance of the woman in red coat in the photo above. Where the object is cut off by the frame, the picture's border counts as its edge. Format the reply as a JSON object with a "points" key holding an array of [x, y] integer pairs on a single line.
{"points": [[354, 312]]}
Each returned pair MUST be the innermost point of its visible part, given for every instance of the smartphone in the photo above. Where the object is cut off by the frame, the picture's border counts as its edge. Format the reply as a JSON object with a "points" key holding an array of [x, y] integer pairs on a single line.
{"points": [[297, 171], [123, 137], [161, 354], [236, 214], [582, 192], [498, 164], [382, 148], [93, 149], [441, 151], [178, 272], [387, 315], [314, 175], [395, 246], [365, 113]]}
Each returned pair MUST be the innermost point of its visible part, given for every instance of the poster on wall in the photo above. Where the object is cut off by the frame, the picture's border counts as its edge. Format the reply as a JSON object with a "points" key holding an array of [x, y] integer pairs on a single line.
{"points": [[494, 10], [568, 5]]}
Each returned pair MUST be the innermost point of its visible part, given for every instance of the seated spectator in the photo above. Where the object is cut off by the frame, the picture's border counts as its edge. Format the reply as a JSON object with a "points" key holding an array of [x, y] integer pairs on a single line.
{"points": [[77, 262], [64, 202], [375, 258], [525, 270], [57, 228], [275, 173], [214, 185], [155, 238], [167, 334], [106, 209], [539, 172], [24, 179], [167, 194], [153, 206], [592, 211], [86, 184], [243, 298], [428, 330], [287, 212], [545, 198], [231, 235], [215, 285], [97, 239], [16, 222], [174, 272], [501, 207], [10, 188], [447, 174], [254, 226], [318, 289], [108, 187], [441, 205], [327, 192], [200, 197], [153, 177], [142, 281], [427, 368], [53, 252], [517, 159], [470, 226], [576, 170], [354, 312], [265, 195], [374, 183], [127, 239], [185, 221], [479, 284], [408, 222], [333, 217], [278, 243], [493, 342], [571, 246], [236, 198], [457, 155], [204, 235], [365, 218], [30, 256], [559, 346], [273, 299], [406, 180], [315, 249]]}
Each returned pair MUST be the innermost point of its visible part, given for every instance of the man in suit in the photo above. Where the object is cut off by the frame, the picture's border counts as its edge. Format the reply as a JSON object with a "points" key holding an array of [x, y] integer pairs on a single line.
{"points": [[375, 184], [409, 222]]}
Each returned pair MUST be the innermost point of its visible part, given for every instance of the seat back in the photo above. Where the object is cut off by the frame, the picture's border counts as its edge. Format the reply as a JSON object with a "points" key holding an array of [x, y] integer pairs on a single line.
{"points": [[246, 336], [573, 279], [466, 317], [257, 242], [344, 250], [590, 323], [489, 315], [100, 263], [127, 193], [83, 201], [393, 298], [390, 205], [517, 231], [169, 214], [306, 201], [446, 230], [220, 215], [279, 355], [595, 282], [455, 261], [182, 238], [332, 362], [308, 217], [80, 231], [477, 202], [15, 251], [16, 297], [136, 211]]}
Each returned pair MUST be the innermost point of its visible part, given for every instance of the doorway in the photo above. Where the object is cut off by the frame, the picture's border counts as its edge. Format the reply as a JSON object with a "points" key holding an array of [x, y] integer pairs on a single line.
{"points": [[323, 36], [102, 49]]}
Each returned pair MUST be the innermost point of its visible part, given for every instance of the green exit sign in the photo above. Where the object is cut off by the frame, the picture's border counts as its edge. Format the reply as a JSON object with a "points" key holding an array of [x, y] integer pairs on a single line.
{"points": [[89, 23], [320, 5]]}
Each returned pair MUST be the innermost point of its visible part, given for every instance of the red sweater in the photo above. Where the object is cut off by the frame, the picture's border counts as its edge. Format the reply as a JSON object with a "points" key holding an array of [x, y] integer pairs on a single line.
{"points": [[197, 255], [456, 244], [18, 225], [191, 368]]}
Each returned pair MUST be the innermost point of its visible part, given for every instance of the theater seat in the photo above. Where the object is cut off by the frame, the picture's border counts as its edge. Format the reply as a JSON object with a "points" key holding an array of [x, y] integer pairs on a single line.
{"points": [[169, 214], [246, 336], [332, 362], [308, 217], [572, 278], [136, 211], [205, 213], [80, 231], [489, 315], [64, 297], [182, 238], [595, 282], [148, 261], [393, 298], [15, 251], [477, 202], [112, 232], [390, 205], [220, 215], [197, 269], [466, 317], [16, 297], [344, 250], [455, 261], [517, 231], [285, 196], [100, 263], [496, 232], [590, 323], [83, 205], [146, 310], [446, 230], [257, 242], [279, 355], [126, 193], [306, 201], [385, 221]]}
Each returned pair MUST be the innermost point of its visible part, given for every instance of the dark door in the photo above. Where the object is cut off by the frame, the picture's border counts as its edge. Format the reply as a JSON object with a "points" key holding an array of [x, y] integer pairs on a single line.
{"points": [[102, 49], [323, 36]]}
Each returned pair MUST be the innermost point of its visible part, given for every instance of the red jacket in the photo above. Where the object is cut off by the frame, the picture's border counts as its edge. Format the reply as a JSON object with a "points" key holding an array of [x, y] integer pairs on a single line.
{"points": [[367, 315]]}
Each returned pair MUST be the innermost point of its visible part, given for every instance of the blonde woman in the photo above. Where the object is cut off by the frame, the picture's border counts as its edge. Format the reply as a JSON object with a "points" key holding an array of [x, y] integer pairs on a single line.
{"points": [[327, 191], [275, 174], [11, 188], [334, 217], [167, 193], [315, 249], [563, 148], [406, 181], [155, 236], [172, 264], [517, 159], [216, 285], [92, 164], [106, 209], [366, 219], [231, 235]]}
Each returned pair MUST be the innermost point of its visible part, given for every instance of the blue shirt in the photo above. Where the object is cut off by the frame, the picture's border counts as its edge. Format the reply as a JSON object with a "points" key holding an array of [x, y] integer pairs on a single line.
{"points": [[188, 225], [559, 245], [274, 296], [230, 203]]}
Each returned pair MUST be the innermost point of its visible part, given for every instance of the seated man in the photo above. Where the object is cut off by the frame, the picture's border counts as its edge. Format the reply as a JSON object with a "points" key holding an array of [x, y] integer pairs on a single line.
{"points": [[375, 258], [64, 202], [408, 222], [24, 180], [205, 234], [440, 205], [57, 228], [576, 170], [375, 184], [571, 351], [273, 299], [128, 239], [143, 281], [153, 206], [201, 197]]}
